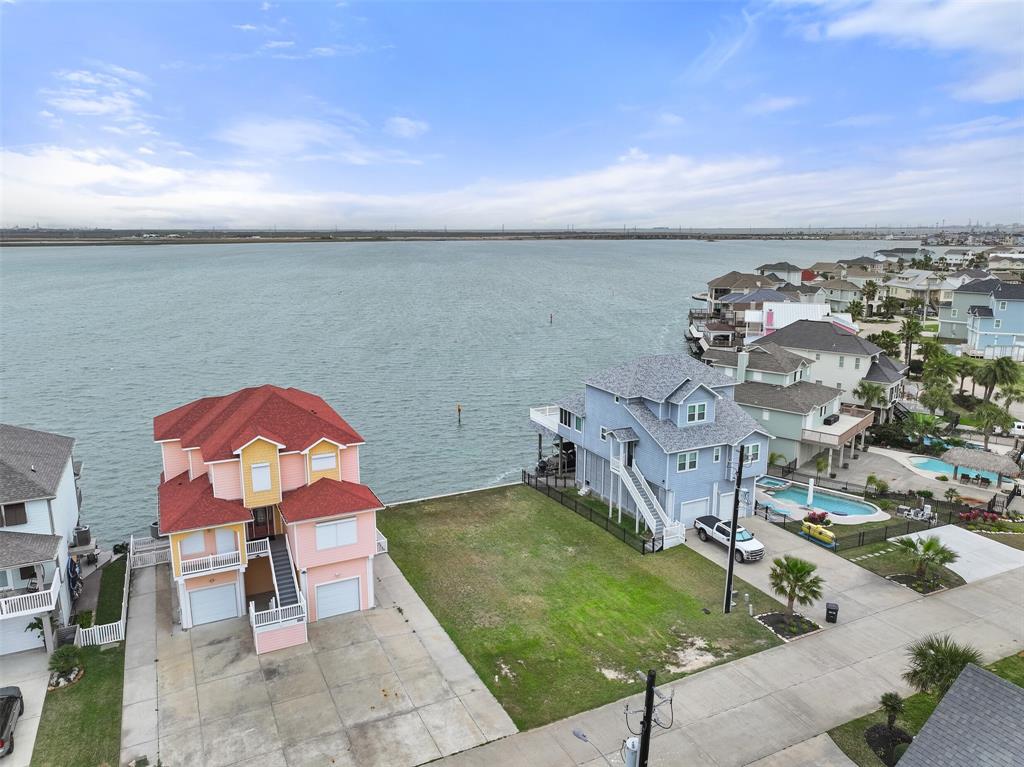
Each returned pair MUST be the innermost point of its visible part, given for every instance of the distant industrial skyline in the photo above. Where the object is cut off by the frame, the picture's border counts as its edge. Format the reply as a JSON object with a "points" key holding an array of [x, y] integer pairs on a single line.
{"points": [[784, 114]]}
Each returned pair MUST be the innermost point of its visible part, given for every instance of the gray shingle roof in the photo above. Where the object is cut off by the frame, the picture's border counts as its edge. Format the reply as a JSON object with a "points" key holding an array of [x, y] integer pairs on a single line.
{"points": [[1009, 291], [980, 311], [782, 266], [757, 296], [985, 286], [765, 356], [885, 371], [801, 397], [31, 463], [656, 377], [864, 260], [809, 288], [838, 285], [816, 335], [977, 723], [574, 403], [624, 434], [731, 425], [21, 549]]}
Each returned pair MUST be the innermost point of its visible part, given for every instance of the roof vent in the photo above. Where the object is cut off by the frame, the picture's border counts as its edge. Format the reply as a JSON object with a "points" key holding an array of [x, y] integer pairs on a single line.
{"points": [[32, 467]]}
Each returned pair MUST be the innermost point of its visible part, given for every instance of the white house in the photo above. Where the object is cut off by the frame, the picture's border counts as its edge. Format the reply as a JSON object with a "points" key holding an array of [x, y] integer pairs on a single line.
{"points": [[39, 506]]}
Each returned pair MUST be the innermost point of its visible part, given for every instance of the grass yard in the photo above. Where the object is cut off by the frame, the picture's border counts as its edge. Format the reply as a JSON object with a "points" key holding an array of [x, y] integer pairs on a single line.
{"points": [[850, 736], [555, 614], [889, 560], [81, 724], [1007, 539]]}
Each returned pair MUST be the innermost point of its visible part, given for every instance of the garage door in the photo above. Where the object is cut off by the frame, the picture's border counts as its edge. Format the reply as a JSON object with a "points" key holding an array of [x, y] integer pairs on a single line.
{"points": [[690, 510], [14, 638], [337, 598], [214, 604]]}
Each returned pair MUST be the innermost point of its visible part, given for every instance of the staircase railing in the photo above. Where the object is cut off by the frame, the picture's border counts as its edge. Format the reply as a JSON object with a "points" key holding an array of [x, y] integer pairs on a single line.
{"points": [[654, 498], [653, 522]]}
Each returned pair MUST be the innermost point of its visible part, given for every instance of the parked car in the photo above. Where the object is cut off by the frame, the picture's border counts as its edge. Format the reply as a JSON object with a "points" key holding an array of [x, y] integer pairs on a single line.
{"points": [[12, 706], [748, 548]]}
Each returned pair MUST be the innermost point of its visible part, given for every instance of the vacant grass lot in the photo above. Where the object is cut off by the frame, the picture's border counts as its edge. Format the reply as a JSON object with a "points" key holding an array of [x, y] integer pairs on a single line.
{"points": [[556, 615], [894, 562], [850, 736], [81, 724]]}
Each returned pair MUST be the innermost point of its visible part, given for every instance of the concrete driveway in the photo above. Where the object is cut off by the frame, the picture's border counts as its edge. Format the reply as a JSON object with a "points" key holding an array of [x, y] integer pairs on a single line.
{"points": [[385, 687], [28, 671], [980, 557]]}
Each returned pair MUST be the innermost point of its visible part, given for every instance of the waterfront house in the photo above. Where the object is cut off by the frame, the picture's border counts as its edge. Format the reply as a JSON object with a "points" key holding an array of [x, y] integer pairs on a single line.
{"points": [[261, 499], [827, 270], [658, 439], [39, 511], [805, 293], [738, 282], [843, 359], [897, 258], [783, 270], [803, 417], [995, 325], [839, 293], [953, 314], [866, 263]]}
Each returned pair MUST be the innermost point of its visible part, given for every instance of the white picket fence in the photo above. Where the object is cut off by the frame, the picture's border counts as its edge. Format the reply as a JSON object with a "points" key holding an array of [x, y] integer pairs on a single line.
{"points": [[143, 553], [109, 632]]}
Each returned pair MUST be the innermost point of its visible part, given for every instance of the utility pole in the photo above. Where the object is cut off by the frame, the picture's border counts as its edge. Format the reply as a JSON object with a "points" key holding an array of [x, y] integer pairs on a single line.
{"points": [[645, 726], [732, 534]]}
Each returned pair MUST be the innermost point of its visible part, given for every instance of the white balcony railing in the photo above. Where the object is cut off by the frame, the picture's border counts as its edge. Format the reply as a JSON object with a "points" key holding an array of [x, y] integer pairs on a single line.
{"points": [[278, 615], [207, 564], [35, 602], [382, 543], [257, 548], [546, 416]]}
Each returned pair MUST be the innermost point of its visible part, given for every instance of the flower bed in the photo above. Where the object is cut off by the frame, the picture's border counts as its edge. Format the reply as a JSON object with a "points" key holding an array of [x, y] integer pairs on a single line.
{"points": [[59, 680], [920, 585], [787, 627]]}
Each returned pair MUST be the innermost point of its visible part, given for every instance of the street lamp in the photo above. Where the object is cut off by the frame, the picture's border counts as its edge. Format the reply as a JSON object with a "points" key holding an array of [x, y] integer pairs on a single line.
{"points": [[580, 735]]}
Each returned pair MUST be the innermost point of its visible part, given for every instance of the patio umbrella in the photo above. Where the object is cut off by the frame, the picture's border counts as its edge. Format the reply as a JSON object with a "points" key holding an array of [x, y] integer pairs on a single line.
{"points": [[981, 460]]}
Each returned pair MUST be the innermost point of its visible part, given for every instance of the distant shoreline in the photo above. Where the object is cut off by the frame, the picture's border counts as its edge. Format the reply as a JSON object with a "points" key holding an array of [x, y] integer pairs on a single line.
{"points": [[51, 238]]}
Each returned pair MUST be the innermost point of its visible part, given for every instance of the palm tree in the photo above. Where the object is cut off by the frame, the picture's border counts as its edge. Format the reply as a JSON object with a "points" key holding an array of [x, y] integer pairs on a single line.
{"points": [[910, 331], [856, 310], [892, 705], [999, 372], [820, 465], [989, 417], [871, 394], [794, 579], [936, 396], [952, 495], [936, 662], [965, 367], [889, 306], [774, 459], [940, 368], [1012, 394], [914, 306], [888, 341], [927, 553], [870, 290]]}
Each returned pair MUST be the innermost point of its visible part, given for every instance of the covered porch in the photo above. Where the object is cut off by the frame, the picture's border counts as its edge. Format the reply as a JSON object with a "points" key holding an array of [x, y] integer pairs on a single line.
{"points": [[981, 461], [851, 423]]}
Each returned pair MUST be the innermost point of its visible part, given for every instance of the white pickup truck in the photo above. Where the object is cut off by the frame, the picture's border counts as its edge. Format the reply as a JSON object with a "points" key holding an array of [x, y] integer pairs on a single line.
{"points": [[748, 548]]}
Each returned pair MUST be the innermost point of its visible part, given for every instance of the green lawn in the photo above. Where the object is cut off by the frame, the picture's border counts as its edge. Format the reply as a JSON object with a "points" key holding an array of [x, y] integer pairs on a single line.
{"points": [[850, 736], [555, 614], [1013, 541], [892, 561], [81, 724]]}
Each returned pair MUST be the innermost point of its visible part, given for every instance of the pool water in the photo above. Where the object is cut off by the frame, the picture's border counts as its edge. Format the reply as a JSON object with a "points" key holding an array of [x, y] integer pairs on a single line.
{"points": [[941, 467], [772, 482], [839, 505]]}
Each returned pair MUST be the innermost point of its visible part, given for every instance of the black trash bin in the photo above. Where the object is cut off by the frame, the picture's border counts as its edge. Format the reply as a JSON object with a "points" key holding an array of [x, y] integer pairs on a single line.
{"points": [[831, 612]]}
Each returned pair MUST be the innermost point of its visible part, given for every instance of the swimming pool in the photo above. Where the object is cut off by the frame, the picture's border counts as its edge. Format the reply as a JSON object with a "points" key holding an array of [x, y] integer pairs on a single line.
{"points": [[927, 463], [833, 503], [772, 482]]}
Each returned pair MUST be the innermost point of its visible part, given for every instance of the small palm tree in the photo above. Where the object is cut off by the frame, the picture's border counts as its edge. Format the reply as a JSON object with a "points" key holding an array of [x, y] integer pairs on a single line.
{"points": [[952, 495], [927, 553], [892, 705], [910, 331], [820, 465], [774, 459], [937, 397], [990, 417], [890, 306], [870, 290], [794, 579], [1011, 395], [965, 368], [936, 662], [856, 310], [1000, 372], [871, 394]]}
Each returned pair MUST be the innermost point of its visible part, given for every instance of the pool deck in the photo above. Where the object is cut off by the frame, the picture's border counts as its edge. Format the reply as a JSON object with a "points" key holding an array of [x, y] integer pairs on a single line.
{"points": [[797, 512]]}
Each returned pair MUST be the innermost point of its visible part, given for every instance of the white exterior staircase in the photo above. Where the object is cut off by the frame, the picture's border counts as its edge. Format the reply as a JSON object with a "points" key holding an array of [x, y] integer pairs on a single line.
{"points": [[672, 533]]}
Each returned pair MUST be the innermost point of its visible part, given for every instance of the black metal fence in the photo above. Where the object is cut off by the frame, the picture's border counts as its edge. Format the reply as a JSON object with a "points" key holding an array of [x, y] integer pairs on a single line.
{"points": [[637, 542]]}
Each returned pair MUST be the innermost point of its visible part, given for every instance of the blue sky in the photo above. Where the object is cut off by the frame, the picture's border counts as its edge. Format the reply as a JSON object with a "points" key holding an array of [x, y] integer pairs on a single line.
{"points": [[852, 112]]}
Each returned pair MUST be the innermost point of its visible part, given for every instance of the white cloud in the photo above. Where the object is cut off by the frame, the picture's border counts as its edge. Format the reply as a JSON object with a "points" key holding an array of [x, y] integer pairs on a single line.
{"points": [[923, 183], [279, 44], [246, 27], [114, 93], [265, 7], [406, 127], [861, 121], [770, 104], [145, 150], [270, 137], [634, 154], [723, 47]]}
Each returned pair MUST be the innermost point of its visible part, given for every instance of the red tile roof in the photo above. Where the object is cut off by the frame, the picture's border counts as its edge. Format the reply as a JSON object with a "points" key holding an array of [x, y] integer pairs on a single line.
{"points": [[221, 425], [186, 505], [327, 498]]}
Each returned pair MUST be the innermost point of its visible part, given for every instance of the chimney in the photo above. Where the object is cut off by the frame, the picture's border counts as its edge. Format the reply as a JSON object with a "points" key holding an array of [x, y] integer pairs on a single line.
{"points": [[742, 358]]}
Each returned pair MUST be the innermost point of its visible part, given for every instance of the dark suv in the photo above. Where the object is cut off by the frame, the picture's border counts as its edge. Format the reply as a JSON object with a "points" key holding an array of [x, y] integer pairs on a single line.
{"points": [[11, 708]]}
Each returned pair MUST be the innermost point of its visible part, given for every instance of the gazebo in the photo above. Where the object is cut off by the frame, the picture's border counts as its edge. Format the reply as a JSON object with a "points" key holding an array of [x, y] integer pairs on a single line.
{"points": [[981, 460]]}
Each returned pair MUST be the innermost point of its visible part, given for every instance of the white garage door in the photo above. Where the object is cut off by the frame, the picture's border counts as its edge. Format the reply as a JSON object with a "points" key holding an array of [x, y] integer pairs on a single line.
{"points": [[337, 598], [213, 604], [14, 638], [690, 510]]}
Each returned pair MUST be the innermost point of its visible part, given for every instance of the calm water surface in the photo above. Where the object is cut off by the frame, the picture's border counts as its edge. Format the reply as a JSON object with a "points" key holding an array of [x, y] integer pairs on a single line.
{"points": [[95, 341]]}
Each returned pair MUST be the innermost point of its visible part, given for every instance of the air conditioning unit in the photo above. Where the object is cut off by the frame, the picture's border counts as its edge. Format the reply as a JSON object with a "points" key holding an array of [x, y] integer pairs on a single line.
{"points": [[831, 419]]}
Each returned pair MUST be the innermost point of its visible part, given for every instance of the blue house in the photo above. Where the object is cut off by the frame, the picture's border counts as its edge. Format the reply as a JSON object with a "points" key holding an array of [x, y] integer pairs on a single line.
{"points": [[658, 438], [995, 324]]}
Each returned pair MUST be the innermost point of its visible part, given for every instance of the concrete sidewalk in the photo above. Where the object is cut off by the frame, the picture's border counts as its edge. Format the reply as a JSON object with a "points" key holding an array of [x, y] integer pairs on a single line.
{"points": [[776, 703]]}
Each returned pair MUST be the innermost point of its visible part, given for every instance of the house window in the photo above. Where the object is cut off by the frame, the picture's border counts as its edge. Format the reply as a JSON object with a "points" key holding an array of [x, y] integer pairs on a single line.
{"points": [[765, 415], [225, 539], [324, 461], [579, 424], [27, 573], [697, 412], [755, 375], [752, 453], [565, 417], [260, 477], [842, 361], [5, 582], [856, 363], [821, 410], [604, 434], [687, 461], [330, 535], [817, 358], [716, 456], [953, 313], [729, 372], [1002, 306], [14, 514], [996, 324], [616, 397], [193, 543]]}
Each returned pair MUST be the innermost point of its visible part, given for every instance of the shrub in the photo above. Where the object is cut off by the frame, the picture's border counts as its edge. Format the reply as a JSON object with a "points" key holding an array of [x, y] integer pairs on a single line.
{"points": [[885, 504], [84, 619], [900, 750], [916, 367], [942, 478], [924, 493], [65, 658], [818, 518]]}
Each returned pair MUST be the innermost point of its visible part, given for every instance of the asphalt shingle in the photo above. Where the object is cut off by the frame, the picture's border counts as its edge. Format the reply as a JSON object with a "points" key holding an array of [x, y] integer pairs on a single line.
{"points": [[656, 377], [31, 463], [21, 549], [802, 397]]}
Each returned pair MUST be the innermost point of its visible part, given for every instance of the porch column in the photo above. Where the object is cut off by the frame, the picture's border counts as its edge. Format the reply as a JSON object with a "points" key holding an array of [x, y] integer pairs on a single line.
{"points": [[842, 448], [829, 470], [863, 439], [560, 459], [540, 447], [47, 632]]}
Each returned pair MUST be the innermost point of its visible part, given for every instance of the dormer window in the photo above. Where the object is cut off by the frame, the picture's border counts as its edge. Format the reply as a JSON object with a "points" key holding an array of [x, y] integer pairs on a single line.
{"points": [[324, 462], [260, 475], [696, 413]]}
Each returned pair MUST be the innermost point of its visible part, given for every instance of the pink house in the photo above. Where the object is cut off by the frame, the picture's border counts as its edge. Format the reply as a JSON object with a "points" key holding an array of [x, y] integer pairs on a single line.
{"points": [[261, 501]]}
